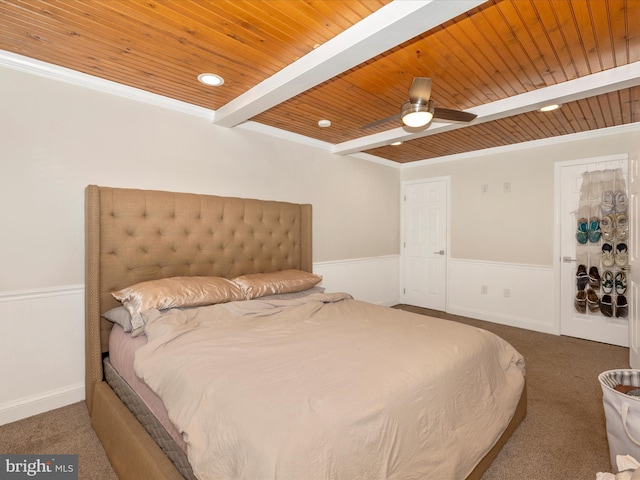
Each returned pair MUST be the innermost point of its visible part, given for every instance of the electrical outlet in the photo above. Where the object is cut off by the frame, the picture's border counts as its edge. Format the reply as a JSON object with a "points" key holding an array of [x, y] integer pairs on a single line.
{"points": [[484, 289], [506, 188], [507, 293], [484, 189]]}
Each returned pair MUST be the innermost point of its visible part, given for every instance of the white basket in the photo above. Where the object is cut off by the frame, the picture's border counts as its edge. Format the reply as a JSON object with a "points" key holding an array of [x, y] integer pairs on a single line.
{"points": [[622, 413]]}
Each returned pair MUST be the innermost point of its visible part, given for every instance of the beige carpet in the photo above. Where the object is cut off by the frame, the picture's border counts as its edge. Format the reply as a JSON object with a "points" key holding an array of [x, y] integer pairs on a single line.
{"points": [[62, 431], [563, 436]]}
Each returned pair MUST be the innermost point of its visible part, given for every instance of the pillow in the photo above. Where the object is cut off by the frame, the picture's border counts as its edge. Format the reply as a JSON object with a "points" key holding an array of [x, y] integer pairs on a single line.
{"points": [[256, 285], [175, 292], [121, 316], [292, 295]]}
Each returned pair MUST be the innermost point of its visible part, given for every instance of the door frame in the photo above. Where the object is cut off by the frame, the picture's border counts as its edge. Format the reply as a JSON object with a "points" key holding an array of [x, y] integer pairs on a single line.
{"points": [[447, 180], [557, 260]]}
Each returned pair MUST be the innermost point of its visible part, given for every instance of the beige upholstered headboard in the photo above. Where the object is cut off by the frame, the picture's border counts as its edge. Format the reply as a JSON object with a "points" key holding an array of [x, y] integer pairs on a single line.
{"points": [[137, 235]]}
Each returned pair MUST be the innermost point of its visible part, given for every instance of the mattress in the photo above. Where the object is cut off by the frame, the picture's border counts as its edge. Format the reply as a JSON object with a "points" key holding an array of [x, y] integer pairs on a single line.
{"points": [[146, 406]]}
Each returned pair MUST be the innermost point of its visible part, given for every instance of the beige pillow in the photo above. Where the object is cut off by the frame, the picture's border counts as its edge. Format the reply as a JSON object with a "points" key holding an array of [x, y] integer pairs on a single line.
{"points": [[260, 284], [175, 292]]}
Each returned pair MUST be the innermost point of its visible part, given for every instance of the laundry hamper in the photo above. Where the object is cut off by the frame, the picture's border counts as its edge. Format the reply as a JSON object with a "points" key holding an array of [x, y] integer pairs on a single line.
{"points": [[622, 412]]}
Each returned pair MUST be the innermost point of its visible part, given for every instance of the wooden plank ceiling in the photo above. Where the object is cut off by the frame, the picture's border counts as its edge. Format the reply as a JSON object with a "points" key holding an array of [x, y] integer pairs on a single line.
{"points": [[290, 63]]}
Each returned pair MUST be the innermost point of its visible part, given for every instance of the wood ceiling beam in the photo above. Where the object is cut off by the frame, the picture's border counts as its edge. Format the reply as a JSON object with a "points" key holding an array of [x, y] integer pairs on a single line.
{"points": [[606, 81], [389, 26]]}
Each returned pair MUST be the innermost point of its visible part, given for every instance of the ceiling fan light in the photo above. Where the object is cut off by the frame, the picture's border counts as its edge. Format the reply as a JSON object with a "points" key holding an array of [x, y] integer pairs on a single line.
{"points": [[417, 114]]}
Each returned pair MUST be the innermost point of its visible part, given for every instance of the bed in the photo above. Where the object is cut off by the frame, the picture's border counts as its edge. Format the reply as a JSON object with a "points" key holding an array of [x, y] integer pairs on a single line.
{"points": [[137, 236]]}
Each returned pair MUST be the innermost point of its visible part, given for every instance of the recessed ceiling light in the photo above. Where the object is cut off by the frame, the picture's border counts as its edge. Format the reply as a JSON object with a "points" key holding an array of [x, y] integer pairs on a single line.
{"points": [[324, 123], [396, 143], [548, 108], [211, 79]]}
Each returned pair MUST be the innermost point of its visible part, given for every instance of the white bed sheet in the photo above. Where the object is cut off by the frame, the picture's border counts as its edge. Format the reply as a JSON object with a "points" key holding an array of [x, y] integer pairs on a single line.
{"points": [[327, 387]]}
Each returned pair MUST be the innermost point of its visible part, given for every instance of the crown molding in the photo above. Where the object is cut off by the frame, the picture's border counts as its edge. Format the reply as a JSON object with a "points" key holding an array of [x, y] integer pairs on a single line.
{"points": [[572, 137], [55, 72]]}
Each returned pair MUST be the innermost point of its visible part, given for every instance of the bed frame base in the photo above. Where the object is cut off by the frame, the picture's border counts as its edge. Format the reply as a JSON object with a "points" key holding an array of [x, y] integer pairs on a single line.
{"points": [[487, 460], [131, 451]]}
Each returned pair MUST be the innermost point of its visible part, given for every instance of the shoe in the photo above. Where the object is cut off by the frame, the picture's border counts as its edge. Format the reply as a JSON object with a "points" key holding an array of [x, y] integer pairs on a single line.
{"points": [[621, 283], [608, 203], [580, 301], [621, 202], [607, 254], [582, 278], [582, 234], [622, 307], [594, 278], [606, 306], [607, 281], [622, 227], [607, 226], [594, 232], [593, 302], [621, 257]]}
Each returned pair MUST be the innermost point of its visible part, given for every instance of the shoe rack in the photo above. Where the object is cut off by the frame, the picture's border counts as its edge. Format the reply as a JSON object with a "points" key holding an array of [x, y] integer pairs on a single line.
{"points": [[602, 233]]}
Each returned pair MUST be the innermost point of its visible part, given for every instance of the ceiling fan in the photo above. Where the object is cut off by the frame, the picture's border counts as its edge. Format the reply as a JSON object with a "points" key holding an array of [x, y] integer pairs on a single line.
{"points": [[420, 110]]}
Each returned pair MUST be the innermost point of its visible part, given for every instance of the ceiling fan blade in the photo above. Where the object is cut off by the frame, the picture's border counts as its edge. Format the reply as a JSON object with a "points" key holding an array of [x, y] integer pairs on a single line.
{"points": [[379, 122], [420, 91], [455, 116]]}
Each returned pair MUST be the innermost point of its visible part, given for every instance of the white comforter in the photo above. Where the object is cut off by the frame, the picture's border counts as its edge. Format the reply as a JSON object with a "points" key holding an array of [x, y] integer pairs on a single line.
{"points": [[327, 387]]}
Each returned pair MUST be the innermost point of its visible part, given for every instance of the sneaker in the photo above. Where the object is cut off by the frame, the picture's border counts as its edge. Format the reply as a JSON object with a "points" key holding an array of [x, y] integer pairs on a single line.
{"points": [[622, 227], [608, 202], [622, 307], [580, 301], [607, 281], [582, 278], [607, 226], [621, 257], [621, 283], [594, 232], [582, 234], [594, 278], [606, 306], [607, 254], [621, 202], [593, 302]]}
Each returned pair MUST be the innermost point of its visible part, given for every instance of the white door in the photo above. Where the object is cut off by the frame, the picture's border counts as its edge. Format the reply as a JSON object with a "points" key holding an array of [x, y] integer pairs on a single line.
{"points": [[633, 275], [590, 325], [424, 243]]}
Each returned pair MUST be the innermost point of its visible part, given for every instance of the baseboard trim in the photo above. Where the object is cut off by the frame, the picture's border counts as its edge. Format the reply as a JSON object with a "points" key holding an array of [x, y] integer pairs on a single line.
{"points": [[43, 402], [507, 320], [390, 303]]}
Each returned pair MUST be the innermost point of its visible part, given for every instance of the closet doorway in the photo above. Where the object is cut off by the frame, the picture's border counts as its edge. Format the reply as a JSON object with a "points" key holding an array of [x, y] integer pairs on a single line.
{"points": [[593, 278], [424, 242]]}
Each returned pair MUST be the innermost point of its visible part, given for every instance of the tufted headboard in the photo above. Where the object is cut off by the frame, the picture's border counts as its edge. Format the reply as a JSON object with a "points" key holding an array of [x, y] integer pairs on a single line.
{"points": [[136, 235]]}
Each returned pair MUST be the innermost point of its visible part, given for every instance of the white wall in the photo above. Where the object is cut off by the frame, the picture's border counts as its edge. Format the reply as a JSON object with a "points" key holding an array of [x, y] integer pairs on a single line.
{"points": [[515, 227], [56, 137]]}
